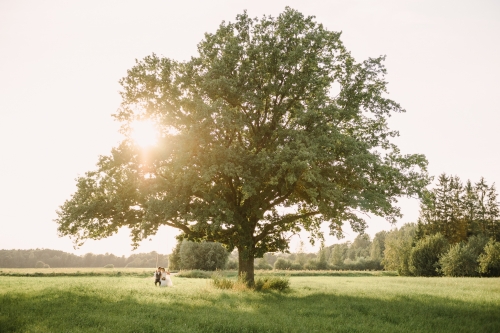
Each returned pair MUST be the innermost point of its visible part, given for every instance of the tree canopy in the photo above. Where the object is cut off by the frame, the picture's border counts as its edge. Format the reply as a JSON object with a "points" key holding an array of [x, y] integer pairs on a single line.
{"points": [[272, 128]]}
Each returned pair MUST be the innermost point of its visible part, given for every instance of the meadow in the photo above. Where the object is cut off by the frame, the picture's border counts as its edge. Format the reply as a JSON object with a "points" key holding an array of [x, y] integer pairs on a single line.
{"points": [[105, 301]]}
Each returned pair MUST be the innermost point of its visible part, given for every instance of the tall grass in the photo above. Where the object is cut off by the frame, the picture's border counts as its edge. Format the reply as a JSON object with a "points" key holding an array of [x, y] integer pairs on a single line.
{"points": [[102, 271], [221, 281], [312, 304]]}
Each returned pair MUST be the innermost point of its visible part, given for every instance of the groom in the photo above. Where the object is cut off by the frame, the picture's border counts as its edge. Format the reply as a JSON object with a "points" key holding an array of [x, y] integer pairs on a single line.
{"points": [[158, 276]]}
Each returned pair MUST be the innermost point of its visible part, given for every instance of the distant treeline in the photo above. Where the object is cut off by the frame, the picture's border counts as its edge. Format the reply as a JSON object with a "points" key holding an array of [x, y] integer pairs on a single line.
{"points": [[39, 258], [358, 255]]}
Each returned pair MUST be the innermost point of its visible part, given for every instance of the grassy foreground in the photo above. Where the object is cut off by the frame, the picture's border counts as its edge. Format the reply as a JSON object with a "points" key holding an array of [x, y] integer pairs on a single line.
{"points": [[313, 304]]}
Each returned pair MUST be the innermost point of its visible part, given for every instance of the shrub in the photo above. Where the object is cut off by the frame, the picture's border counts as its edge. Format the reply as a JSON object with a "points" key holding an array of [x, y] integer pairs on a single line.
{"points": [[315, 265], [39, 264], [208, 256], [109, 266], [458, 261], [462, 258], [261, 284], [272, 283], [282, 264], [232, 265], [361, 264], [489, 260], [262, 264], [312, 265], [220, 282], [425, 255], [296, 266], [477, 243]]}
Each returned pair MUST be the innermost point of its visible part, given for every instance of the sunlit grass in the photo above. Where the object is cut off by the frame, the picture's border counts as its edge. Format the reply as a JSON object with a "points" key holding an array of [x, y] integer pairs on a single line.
{"points": [[312, 304], [86, 271]]}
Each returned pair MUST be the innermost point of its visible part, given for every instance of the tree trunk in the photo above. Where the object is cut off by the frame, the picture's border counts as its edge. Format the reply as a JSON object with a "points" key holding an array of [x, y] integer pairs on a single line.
{"points": [[246, 265]]}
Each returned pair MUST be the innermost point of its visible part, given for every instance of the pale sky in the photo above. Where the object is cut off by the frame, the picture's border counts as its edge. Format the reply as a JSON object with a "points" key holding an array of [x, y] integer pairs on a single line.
{"points": [[60, 62]]}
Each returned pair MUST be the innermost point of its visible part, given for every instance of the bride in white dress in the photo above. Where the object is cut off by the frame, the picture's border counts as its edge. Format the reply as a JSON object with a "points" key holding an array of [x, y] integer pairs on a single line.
{"points": [[166, 281]]}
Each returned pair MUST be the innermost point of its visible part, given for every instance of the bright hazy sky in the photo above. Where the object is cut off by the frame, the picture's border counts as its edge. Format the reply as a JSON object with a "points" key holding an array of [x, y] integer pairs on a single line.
{"points": [[60, 62]]}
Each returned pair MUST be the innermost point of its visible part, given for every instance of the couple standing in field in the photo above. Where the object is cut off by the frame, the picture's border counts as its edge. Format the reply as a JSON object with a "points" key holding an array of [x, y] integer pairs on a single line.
{"points": [[163, 277]]}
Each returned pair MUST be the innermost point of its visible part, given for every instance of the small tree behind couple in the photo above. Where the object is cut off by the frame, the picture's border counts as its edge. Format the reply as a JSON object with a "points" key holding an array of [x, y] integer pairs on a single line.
{"points": [[162, 277]]}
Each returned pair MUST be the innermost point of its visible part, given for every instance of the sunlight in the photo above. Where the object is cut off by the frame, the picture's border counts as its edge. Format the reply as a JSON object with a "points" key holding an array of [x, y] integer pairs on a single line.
{"points": [[144, 133]]}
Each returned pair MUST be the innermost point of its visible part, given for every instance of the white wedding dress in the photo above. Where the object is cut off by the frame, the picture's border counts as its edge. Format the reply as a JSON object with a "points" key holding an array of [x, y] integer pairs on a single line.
{"points": [[166, 281]]}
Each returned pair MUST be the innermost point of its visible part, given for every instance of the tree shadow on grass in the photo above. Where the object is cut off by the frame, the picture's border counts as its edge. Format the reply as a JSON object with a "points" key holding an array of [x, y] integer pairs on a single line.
{"points": [[70, 311]]}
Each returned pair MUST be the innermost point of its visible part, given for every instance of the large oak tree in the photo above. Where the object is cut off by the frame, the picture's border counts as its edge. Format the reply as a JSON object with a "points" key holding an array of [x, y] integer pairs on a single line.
{"points": [[272, 128]]}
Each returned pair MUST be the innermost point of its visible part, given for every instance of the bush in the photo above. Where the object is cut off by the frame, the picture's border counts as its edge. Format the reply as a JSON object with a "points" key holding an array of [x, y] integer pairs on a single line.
{"points": [[462, 258], [262, 264], [282, 264], [312, 265], [489, 260], [316, 265], [458, 261], [361, 264], [39, 264], [220, 282], [425, 255], [296, 266], [207, 256], [261, 284], [109, 266], [272, 283], [232, 265]]}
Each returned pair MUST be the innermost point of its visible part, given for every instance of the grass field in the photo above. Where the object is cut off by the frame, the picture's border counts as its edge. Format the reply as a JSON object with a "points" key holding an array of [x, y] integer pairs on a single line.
{"points": [[100, 271], [351, 303]]}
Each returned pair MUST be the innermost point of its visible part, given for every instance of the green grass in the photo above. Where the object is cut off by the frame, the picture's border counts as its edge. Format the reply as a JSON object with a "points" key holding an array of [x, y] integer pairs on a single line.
{"points": [[100, 271], [373, 303]]}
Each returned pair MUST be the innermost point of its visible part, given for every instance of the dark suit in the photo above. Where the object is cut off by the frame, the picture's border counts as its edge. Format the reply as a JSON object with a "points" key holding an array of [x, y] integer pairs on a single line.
{"points": [[157, 277]]}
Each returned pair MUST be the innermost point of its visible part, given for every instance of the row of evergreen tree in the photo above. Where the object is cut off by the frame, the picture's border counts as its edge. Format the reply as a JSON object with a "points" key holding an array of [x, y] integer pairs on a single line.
{"points": [[457, 233], [458, 212], [60, 259]]}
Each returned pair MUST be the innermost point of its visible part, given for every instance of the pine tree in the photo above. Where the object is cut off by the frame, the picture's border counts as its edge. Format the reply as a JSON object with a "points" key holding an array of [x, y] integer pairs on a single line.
{"points": [[441, 210], [457, 211], [456, 221], [492, 213], [482, 215], [470, 208]]}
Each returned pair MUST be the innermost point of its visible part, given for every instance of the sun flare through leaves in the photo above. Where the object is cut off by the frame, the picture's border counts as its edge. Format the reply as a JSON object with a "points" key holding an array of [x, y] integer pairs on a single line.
{"points": [[144, 133]]}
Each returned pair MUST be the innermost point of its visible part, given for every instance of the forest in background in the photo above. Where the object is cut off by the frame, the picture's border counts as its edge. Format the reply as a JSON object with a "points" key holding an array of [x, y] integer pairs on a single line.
{"points": [[457, 234], [40, 258]]}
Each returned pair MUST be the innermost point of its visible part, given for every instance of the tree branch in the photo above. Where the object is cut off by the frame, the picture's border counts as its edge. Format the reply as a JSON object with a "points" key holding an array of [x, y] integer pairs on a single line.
{"points": [[286, 219]]}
